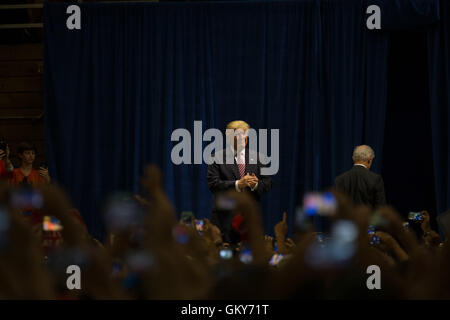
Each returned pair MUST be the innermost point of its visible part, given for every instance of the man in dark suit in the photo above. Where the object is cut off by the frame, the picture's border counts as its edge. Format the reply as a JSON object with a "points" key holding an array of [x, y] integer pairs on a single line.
{"points": [[242, 173], [359, 183]]}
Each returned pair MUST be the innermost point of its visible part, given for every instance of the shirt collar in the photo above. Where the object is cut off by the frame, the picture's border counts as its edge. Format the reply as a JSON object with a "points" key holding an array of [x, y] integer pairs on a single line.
{"points": [[360, 164]]}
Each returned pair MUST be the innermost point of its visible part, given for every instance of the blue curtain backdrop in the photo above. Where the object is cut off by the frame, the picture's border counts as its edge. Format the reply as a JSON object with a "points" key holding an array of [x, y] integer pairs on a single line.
{"points": [[439, 80], [117, 88]]}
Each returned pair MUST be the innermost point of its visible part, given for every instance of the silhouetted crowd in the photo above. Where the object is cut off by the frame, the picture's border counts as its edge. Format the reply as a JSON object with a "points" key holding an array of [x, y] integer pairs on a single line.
{"points": [[149, 254]]}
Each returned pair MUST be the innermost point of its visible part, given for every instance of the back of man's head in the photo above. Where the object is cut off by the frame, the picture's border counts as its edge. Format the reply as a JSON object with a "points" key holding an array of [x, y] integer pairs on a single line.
{"points": [[363, 154]]}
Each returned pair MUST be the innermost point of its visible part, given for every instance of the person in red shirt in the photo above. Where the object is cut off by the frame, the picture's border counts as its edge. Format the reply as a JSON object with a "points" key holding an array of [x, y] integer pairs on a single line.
{"points": [[25, 174], [27, 177], [6, 166]]}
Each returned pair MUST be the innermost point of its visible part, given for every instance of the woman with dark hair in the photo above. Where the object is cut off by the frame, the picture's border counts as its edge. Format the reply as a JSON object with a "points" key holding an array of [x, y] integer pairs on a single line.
{"points": [[25, 174]]}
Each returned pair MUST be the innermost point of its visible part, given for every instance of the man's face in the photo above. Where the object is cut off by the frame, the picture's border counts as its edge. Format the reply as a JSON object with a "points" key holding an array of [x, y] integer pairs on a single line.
{"points": [[240, 139], [28, 156]]}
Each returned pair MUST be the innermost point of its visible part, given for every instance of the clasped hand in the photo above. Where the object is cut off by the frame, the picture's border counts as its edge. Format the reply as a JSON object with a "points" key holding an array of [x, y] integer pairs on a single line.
{"points": [[248, 181]]}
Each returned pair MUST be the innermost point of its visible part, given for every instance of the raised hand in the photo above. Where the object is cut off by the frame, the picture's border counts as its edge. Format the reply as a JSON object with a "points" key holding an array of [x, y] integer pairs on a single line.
{"points": [[425, 223], [281, 228], [43, 172]]}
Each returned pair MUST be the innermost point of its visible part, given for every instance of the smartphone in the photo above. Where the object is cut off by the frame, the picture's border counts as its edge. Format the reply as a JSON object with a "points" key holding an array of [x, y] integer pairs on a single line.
{"points": [[246, 256], [51, 224], [199, 225], [374, 239], [415, 216], [343, 243], [276, 258], [344, 231], [323, 204], [43, 165], [226, 253]]}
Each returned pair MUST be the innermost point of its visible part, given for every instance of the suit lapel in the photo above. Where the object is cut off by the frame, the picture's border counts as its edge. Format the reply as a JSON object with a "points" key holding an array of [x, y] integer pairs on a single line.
{"points": [[250, 168]]}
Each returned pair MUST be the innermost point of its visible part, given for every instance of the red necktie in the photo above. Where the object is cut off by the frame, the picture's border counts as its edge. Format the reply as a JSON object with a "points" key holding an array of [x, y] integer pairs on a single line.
{"points": [[241, 165]]}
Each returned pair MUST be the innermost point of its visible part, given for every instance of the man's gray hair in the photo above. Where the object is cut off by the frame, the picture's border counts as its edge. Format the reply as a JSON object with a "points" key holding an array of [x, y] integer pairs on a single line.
{"points": [[363, 153]]}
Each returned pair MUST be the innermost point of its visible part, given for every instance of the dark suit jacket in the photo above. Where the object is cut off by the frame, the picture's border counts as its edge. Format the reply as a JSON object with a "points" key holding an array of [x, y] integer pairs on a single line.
{"points": [[362, 186], [222, 177]]}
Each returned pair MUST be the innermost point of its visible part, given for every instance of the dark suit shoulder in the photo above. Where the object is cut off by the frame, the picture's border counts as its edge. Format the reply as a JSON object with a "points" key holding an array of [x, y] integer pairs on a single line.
{"points": [[344, 176], [357, 171], [372, 175], [220, 156]]}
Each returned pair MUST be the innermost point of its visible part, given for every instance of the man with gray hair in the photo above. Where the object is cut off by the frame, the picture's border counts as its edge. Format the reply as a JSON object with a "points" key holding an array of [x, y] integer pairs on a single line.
{"points": [[359, 183]]}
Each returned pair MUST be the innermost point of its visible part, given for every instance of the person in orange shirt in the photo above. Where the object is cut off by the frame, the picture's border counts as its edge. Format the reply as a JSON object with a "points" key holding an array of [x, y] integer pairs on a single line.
{"points": [[25, 174]]}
